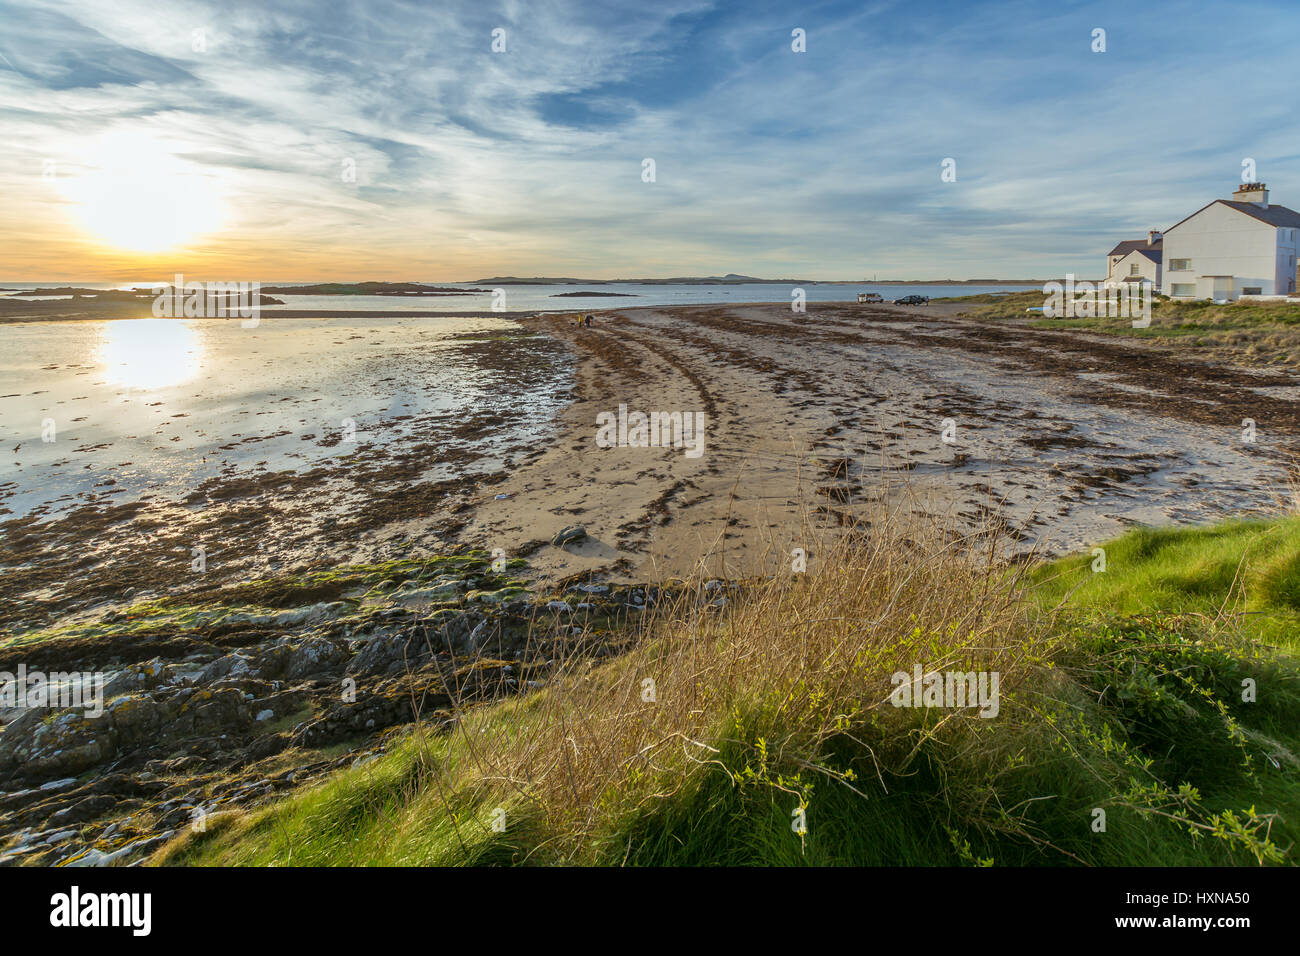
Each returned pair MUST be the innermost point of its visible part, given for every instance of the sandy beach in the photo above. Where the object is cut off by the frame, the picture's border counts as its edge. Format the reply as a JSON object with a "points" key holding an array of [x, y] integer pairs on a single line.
{"points": [[648, 436], [1055, 440], [377, 557], [1059, 440]]}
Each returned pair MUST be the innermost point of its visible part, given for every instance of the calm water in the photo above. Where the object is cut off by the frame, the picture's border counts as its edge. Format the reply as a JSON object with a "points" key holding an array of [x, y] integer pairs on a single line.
{"points": [[540, 298], [138, 407], [123, 409]]}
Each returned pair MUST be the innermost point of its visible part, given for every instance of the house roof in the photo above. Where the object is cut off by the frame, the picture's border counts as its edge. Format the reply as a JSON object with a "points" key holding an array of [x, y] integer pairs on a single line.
{"points": [[1274, 214], [1128, 245]]}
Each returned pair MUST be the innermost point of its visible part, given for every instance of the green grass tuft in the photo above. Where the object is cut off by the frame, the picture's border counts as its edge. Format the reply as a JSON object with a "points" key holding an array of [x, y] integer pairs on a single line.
{"points": [[1162, 694]]}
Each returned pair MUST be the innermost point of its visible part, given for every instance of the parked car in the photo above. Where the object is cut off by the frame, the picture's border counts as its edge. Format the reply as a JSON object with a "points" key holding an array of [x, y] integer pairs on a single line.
{"points": [[912, 300], [870, 297]]}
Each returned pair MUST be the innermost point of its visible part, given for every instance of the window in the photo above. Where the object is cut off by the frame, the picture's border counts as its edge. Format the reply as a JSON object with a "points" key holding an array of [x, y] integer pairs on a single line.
{"points": [[1133, 269], [1180, 265], [1252, 290], [1183, 288]]}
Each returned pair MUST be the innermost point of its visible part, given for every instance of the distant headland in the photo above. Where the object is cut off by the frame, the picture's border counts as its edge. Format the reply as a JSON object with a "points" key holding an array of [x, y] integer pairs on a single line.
{"points": [[732, 278]]}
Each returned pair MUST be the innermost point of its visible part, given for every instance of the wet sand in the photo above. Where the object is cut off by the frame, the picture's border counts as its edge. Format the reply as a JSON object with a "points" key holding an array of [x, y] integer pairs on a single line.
{"points": [[1060, 439], [67, 309], [486, 438], [266, 448]]}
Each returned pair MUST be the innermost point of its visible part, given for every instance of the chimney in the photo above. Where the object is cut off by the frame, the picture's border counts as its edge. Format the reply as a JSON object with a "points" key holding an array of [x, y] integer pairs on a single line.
{"points": [[1252, 192], [1154, 236]]}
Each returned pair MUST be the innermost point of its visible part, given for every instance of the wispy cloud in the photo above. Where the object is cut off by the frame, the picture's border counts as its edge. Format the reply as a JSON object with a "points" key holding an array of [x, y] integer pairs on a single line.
{"points": [[469, 162]]}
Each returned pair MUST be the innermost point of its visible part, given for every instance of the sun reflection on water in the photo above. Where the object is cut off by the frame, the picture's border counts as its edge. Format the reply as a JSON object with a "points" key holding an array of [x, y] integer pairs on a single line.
{"points": [[150, 353]]}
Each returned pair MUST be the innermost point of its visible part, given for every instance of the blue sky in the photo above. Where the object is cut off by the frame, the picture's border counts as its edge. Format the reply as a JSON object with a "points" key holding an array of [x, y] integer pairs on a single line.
{"points": [[120, 123]]}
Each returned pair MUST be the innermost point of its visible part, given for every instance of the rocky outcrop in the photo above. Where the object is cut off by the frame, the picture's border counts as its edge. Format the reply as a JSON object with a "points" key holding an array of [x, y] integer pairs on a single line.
{"points": [[198, 700]]}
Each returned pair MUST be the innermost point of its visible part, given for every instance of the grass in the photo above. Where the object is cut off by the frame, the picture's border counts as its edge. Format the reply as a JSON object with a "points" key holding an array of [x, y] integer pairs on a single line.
{"points": [[1246, 331], [766, 735], [1239, 576]]}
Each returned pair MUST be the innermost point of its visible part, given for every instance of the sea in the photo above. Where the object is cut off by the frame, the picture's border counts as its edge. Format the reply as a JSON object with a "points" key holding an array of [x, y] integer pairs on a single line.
{"points": [[553, 298], [119, 410]]}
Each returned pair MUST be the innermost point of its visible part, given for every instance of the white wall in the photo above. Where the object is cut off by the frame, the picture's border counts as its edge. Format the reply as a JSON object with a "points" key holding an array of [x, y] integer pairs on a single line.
{"points": [[1288, 253], [1222, 241], [1146, 268]]}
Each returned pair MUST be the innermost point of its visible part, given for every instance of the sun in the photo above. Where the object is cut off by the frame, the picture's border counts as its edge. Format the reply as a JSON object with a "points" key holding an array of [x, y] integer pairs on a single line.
{"points": [[149, 353], [139, 197]]}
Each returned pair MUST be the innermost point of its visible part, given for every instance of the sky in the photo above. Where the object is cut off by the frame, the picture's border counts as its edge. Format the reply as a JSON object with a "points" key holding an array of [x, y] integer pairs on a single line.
{"points": [[274, 141]]}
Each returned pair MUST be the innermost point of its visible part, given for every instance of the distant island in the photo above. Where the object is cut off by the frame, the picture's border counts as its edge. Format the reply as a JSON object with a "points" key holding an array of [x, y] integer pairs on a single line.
{"points": [[369, 288], [135, 295], [586, 295], [732, 278], [77, 291]]}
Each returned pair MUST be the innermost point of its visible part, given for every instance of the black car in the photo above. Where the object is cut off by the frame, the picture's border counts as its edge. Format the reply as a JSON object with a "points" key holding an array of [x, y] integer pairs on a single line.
{"points": [[912, 300]]}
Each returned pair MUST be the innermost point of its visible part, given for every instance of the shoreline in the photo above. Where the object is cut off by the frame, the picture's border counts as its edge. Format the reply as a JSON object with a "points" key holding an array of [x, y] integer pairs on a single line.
{"points": [[59, 310], [223, 685], [113, 315], [1060, 438]]}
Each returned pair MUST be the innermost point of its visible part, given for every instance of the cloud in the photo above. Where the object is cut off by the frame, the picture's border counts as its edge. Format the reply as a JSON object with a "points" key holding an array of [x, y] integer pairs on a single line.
{"points": [[819, 164]]}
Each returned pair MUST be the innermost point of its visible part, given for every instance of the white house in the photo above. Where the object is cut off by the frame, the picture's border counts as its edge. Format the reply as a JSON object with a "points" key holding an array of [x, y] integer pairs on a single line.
{"points": [[1136, 260], [1232, 247]]}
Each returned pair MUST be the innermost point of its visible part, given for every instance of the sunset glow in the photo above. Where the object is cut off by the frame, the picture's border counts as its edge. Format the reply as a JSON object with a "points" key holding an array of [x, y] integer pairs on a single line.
{"points": [[137, 197], [149, 353], [394, 146]]}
